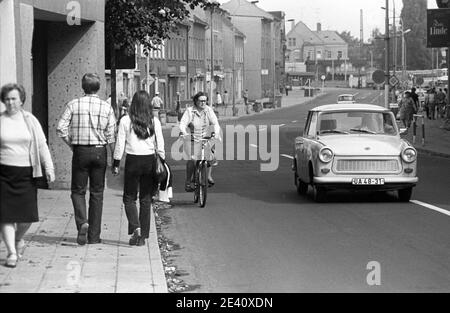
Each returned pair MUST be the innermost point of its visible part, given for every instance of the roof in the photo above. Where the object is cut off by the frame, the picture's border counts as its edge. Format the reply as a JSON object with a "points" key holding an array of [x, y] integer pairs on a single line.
{"points": [[330, 37], [350, 107], [306, 34], [245, 8]]}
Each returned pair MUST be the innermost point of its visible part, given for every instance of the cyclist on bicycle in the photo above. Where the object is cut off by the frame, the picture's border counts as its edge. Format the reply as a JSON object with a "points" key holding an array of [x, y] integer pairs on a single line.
{"points": [[198, 118]]}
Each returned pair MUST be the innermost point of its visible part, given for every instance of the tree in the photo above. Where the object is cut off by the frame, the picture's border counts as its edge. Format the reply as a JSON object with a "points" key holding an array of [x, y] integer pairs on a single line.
{"points": [[357, 52], [414, 15], [148, 22]]}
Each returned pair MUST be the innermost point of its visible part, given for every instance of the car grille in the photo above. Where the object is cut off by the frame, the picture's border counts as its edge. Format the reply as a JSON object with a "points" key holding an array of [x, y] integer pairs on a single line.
{"points": [[364, 166]]}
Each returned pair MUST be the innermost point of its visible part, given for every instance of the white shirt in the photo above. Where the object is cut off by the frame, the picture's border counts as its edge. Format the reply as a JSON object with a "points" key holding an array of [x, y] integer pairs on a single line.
{"points": [[201, 121], [15, 141], [128, 141], [157, 102]]}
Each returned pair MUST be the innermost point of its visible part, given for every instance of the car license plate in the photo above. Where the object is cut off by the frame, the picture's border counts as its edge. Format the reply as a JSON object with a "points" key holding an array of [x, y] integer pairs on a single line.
{"points": [[368, 181]]}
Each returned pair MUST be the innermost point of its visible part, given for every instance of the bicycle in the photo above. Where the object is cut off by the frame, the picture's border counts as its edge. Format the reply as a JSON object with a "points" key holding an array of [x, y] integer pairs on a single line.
{"points": [[200, 172]]}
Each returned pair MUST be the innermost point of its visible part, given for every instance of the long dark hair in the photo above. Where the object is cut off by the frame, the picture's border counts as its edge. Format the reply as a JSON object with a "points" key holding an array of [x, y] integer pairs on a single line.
{"points": [[141, 115]]}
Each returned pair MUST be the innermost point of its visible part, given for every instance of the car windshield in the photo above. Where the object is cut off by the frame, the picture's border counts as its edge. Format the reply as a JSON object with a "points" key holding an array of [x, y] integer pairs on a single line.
{"points": [[357, 122], [345, 98]]}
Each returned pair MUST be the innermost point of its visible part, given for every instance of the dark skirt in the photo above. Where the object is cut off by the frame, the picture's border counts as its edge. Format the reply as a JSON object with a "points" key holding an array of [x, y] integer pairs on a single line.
{"points": [[18, 195]]}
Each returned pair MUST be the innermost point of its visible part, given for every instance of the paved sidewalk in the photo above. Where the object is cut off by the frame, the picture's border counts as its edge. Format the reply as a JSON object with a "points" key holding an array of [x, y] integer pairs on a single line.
{"points": [[54, 263], [437, 139]]}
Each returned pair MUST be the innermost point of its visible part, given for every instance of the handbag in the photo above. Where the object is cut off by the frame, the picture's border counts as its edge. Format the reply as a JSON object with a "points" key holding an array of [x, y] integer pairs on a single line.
{"points": [[160, 169]]}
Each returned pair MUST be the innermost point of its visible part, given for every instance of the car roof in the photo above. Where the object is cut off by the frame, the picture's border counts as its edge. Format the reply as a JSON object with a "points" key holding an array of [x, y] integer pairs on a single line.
{"points": [[349, 107], [346, 95]]}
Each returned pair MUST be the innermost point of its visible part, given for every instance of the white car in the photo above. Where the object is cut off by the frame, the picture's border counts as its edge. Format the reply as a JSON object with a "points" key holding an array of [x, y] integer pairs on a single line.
{"points": [[354, 147], [346, 98]]}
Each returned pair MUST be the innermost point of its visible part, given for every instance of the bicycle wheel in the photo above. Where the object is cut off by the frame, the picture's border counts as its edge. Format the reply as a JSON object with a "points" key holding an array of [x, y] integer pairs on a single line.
{"points": [[197, 185], [202, 184]]}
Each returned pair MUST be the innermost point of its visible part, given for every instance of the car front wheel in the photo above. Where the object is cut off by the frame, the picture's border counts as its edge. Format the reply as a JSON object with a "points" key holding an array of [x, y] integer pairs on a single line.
{"points": [[404, 195]]}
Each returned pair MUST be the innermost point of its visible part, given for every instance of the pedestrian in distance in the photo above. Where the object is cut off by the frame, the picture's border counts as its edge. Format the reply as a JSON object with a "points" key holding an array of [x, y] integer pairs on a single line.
{"points": [[140, 136], [415, 97], [157, 103], [245, 96], [23, 154], [88, 127], [218, 100], [407, 109], [431, 104], [226, 101], [440, 103]]}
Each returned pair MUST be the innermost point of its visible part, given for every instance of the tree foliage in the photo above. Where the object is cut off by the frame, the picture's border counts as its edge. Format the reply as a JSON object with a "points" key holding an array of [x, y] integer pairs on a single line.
{"points": [[414, 14], [146, 22], [357, 53]]}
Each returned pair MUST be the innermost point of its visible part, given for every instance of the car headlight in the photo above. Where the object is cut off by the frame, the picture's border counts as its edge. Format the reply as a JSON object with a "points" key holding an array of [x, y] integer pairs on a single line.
{"points": [[326, 155], [409, 155]]}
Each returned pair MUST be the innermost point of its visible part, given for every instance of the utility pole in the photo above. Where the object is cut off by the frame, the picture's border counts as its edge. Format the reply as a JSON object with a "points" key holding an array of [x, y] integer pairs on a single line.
{"points": [[212, 62], [395, 39], [233, 87], [387, 74]]}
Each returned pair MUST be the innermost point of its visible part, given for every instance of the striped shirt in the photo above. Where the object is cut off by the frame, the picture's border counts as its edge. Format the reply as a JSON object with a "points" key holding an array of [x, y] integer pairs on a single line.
{"points": [[88, 121]]}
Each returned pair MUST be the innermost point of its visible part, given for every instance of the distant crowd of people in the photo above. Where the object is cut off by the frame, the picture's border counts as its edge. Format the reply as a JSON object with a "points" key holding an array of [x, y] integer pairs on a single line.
{"points": [[434, 105]]}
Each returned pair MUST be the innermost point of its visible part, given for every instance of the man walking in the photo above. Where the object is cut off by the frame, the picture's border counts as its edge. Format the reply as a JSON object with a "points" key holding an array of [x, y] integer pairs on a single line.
{"points": [[87, 126], [245, 96], [157, 102]]}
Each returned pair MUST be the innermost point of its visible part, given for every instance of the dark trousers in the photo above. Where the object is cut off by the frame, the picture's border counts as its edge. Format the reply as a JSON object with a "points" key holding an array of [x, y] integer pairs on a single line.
{"points": [[88, 162], [139, 177]]}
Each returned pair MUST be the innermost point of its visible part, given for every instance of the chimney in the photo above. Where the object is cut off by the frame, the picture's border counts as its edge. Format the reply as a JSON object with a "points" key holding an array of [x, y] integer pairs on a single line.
{"points": [[319, 27], [292, 23]]}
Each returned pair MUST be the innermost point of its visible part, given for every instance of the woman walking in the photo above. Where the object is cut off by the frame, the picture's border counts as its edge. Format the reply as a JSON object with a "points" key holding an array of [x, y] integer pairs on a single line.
{"points": [[140, 136], [23, 154]]}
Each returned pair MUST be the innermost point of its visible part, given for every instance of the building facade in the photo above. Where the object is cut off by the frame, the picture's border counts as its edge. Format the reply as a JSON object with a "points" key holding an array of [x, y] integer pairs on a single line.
{"points": [[256, 25], [51, 45], [321, 52]]}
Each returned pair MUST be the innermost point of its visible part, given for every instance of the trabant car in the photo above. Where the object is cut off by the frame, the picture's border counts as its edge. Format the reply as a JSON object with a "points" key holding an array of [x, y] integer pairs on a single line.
{"points": [[346, 98], [353, 147]]}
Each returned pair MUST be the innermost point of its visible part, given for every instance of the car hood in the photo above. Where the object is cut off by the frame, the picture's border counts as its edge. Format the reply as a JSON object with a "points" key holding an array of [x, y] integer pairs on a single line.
{"points": [[364, 144]]}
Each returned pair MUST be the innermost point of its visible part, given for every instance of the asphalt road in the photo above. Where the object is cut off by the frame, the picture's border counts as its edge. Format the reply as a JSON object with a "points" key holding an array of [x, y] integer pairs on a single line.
{"points": [[257, 235]]}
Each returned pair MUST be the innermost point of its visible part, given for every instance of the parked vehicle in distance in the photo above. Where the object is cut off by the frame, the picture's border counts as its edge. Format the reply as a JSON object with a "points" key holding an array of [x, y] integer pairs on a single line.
{"points": [[346, 98], [353, 147]]}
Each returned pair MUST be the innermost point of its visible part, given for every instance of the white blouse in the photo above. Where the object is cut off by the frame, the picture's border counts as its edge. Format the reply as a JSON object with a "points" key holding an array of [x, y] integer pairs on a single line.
{"points": [[15, 141], [128, 141]]}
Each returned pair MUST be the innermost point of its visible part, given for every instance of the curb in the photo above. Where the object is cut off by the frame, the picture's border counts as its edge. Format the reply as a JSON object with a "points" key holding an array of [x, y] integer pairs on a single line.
{"points": [[158, 274]]}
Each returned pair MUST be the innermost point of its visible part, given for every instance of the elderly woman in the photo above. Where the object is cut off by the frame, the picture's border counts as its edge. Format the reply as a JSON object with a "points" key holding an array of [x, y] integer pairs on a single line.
{"points": [[23, 154]]}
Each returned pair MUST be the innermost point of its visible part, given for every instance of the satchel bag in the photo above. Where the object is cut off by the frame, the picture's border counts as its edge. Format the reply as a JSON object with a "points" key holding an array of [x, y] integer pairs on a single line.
{"points": [[160, 168]]}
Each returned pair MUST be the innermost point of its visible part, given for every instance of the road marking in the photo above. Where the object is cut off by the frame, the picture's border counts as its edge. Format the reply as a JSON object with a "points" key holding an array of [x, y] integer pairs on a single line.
{"points": [[254, 146], [281, 125], [294, 121], [431, 207], [287, 156]]}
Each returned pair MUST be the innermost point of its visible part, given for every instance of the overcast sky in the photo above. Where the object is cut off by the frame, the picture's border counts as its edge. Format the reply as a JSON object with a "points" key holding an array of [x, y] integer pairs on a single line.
{"points": [[336, 15]]}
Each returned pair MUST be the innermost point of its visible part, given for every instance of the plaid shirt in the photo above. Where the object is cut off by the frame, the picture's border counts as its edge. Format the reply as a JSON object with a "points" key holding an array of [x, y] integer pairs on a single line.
{"points": [[88, 121]]}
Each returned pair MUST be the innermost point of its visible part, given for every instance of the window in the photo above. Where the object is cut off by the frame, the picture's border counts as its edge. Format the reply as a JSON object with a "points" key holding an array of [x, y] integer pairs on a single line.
{"points": [[339, 54], [329, 54], [312, 122]]}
